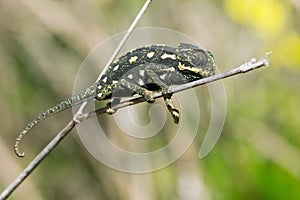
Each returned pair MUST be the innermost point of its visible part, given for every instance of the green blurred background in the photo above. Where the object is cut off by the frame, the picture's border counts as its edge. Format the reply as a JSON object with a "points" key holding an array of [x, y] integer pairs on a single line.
{"points": [[42, 44]]}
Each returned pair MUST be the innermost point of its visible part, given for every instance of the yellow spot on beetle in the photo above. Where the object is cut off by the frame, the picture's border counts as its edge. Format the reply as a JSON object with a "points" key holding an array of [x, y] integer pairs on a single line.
{"points": [[142, 72], [163, 76], [105, 79], [141, 82], [116, 68], [130, 76], [192, 69], [150, 54], [165, 55], [181, 66], [133, 59]]}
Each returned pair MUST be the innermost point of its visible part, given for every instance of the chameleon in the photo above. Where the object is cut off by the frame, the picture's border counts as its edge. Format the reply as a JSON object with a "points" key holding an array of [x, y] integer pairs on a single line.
{"points": [[141, 71]]}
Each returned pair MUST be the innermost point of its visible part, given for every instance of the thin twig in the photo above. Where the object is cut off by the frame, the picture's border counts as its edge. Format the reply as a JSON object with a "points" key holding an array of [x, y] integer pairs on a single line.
{"points": [[37, 160], [66, 130], [118, 49], [246, 67]]}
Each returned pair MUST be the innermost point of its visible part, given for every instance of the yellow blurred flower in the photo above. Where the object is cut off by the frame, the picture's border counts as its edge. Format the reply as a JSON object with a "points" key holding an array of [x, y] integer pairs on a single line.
{"points": [[287, 50], [266, 16]]}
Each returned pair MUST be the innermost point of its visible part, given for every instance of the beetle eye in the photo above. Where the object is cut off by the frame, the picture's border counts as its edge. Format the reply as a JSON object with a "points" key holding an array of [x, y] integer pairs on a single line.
{"points": [[198, 59]]}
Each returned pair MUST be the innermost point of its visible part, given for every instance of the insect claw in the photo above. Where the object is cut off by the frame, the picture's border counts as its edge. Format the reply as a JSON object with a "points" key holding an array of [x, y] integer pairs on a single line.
{"points": [[148, 96], [109, 110], [175, 115]]}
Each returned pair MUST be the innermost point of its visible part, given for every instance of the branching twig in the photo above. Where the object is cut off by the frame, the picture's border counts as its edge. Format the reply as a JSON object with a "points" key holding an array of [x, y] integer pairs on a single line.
{"points": [[118, 49], [248, 66]]}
